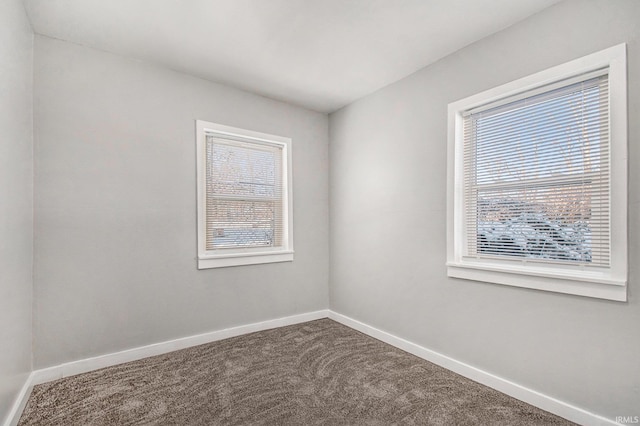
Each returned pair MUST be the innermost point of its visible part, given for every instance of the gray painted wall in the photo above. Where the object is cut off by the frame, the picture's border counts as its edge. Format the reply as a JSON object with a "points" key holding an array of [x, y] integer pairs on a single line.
{"points": [[115, 188], [16, 200], [388, 214]]}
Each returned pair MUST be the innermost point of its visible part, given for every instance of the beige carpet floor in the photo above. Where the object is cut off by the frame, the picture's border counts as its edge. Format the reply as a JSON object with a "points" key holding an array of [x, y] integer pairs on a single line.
{"points": [[319, 372]]}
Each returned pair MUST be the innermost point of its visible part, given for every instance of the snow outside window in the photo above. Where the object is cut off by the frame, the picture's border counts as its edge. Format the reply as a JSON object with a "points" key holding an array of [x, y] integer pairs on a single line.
{"points": [[244, 198], [538, 193]]}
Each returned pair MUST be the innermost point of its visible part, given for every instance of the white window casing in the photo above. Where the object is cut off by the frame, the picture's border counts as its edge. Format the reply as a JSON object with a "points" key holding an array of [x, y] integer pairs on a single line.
{"points": [[537, 180], [244, 201]]}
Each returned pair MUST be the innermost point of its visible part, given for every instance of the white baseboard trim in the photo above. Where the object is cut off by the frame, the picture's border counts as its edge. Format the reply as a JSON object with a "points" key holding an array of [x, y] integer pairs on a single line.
{"points": [[89, 364], [530, 396], [102, 361], [515, 390], [13, 417]]}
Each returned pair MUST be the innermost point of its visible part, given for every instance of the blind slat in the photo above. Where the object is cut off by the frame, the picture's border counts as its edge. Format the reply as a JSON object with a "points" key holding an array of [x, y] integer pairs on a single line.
{"points": [[536, 176], [244, 195]]}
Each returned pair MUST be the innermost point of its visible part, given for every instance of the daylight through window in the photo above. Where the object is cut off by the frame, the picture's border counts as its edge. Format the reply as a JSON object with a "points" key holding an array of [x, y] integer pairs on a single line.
{"points": [[243, 197], [244, 194], [537, 180], [537, 176]]}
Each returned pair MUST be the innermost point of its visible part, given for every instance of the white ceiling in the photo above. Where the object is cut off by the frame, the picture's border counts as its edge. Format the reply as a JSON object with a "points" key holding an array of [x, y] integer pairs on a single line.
{"points": [[320, 54]]}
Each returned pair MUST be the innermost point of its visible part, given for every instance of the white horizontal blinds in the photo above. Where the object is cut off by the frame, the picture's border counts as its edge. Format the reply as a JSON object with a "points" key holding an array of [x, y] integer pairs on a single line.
{"points": [[244, 194], [537, 176]]}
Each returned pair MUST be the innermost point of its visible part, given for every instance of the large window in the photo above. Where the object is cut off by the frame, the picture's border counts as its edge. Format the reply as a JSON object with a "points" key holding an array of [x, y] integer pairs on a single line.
{"points": [[244, 180], [538, 180]]}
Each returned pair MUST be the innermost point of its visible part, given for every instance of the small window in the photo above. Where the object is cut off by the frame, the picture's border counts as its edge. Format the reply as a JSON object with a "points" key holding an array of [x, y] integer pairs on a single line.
{"points": [[244, 200], [538, 191]]}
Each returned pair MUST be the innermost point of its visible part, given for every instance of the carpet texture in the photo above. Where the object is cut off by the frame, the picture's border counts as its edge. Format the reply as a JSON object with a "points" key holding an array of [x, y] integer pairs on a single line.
{"points": [[319, 372]]}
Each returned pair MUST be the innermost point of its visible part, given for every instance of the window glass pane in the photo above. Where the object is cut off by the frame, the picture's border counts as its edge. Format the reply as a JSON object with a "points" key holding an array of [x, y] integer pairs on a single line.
{"points": [[544, 223], [541, 139], [244, 195], [239, 170], [537, 176], [237, 223]]}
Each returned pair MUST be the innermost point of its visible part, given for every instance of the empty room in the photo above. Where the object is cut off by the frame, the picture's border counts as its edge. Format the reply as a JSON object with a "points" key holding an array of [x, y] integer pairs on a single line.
{"points": [[292, 212]]}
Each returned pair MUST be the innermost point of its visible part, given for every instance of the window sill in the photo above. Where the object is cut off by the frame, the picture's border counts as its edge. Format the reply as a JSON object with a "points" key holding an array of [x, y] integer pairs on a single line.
{"points": [[240, 259], [566, 281]]}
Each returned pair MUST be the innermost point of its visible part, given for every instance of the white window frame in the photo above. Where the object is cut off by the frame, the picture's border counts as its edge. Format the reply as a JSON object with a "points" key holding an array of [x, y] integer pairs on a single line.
{"points": [[605, 283], [252, 255]]}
